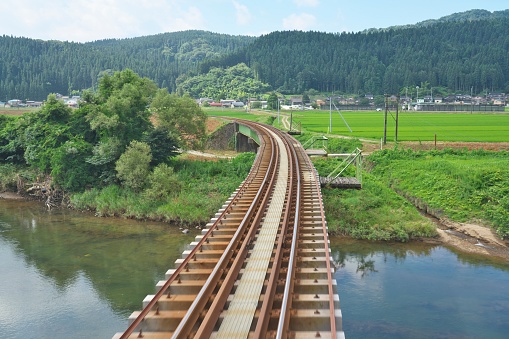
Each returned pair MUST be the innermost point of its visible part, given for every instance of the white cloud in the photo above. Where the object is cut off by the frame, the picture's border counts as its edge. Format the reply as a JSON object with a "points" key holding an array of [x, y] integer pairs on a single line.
{"points": [[303, 22], [307, 3], [242, 13], [192, 18], [88, 20]]}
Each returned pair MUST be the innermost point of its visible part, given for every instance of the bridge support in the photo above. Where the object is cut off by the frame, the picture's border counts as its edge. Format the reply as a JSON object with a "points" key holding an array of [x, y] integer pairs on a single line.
{"points": [[245, 139]]}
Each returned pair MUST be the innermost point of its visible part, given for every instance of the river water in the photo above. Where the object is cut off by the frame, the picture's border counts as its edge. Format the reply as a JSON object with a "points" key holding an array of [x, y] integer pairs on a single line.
{"points": [[67, 274]]}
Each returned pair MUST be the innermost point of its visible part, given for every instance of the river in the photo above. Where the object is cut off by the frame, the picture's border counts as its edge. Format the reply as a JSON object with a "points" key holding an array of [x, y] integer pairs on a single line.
{"points": [[69, 274]]}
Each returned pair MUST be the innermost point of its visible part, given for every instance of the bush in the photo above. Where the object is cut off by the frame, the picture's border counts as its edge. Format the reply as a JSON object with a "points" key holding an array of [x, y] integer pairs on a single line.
{"points": [[163, 183], [133, 166]]}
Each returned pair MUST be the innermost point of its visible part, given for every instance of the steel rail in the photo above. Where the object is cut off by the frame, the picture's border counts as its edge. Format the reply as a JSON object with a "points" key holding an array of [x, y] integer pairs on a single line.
{"points": [[284, 317], [187, 324], [332, 308], [268, 300], [203, 316], [139, 319]]}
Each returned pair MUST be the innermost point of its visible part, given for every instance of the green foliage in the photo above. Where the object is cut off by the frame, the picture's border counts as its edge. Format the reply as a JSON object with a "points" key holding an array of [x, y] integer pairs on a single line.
{"points": [[342, 145], [163, 183], [133, 166], [192, 194], [181, 117], [374, 213], [11, 146], [453, 54], [458, 184], [237, 82], [162, 144], [272, 101], [457, 55], [64, 67], [8, 177], [44, 132], [69, 168]]}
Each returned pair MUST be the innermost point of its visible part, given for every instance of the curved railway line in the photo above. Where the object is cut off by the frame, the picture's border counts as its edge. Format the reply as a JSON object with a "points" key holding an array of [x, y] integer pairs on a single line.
{"points": [[261, 268]]}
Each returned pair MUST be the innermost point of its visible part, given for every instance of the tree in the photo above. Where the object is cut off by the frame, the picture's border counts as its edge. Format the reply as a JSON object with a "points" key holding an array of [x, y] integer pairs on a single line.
{"points": [[162, 144], [117, 114], [272, 101], [181, 117], [46, 130], [133, 166], [69, 169]]}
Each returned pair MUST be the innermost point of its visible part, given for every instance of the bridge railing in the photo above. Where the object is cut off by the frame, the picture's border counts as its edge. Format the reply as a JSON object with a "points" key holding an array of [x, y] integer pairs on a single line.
{"points": [[355, 156]]}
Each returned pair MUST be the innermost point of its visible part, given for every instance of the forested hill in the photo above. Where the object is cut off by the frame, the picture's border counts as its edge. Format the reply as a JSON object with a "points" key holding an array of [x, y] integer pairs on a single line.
{"points": [[462, 52], [34, 68], [460, 55]]}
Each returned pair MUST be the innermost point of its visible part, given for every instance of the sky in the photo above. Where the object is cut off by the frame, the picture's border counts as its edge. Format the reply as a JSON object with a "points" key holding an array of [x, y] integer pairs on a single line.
{"points": [[90, 20]]}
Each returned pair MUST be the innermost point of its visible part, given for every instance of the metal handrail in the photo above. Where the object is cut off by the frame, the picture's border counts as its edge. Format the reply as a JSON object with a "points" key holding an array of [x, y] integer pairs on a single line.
{"points": [[345, 164]]}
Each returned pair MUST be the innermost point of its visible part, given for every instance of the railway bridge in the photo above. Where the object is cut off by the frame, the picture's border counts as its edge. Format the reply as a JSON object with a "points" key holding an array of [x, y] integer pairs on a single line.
{"points": [[262, 266]]}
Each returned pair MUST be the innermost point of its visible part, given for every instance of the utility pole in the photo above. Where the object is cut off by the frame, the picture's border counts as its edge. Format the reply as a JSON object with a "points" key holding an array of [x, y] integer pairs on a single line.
{"points": [[397, 112], [330, 114], [385, 118]]}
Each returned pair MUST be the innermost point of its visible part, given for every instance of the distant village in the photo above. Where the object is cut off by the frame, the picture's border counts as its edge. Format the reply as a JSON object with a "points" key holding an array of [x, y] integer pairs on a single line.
{"points": [[72, 102], [427, 102], [490, 102]]}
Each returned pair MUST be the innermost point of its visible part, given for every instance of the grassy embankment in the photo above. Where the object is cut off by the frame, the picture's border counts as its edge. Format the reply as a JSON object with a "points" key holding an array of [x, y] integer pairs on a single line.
{"points": [[201, 188], [462, 186]]}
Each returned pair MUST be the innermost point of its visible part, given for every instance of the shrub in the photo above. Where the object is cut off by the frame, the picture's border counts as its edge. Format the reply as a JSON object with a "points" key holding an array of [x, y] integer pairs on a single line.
{"points": [[163, 183], [133, 166]]}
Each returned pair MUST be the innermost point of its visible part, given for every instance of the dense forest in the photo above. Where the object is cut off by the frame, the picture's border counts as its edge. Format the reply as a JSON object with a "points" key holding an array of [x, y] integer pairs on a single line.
{"points": [[461, 56], [463, 52], [34, 68]]}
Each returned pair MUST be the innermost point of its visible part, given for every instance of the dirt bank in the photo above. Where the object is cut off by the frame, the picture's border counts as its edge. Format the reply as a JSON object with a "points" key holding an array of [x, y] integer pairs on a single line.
{"points": [[470, 238], [11, 196]]}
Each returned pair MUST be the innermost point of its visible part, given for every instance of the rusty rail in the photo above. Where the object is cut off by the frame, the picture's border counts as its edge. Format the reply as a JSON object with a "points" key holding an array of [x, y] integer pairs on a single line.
{"points": [[277, 306]]}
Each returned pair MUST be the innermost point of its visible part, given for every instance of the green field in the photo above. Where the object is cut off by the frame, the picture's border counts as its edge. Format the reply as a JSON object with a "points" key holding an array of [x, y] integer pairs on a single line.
{"points": [[480, 127], [476, 127]]}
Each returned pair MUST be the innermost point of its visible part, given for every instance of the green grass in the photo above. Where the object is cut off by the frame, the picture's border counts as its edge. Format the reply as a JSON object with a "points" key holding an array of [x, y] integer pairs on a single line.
{"points": [[205, 187], [413, 126], [478, 127], [374, 213], [457, 184], [236, 113]]}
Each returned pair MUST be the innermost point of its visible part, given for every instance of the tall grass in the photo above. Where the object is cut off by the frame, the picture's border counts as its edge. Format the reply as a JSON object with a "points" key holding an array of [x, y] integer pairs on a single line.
{"points": [[465, 186], [204, 187], [374, 213]]}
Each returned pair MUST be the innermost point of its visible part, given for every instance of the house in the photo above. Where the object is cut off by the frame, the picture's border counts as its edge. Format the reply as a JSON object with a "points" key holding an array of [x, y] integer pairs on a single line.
{"points": [[296, 100], [227, 103], [215, 104], [14, 102], [237, 104], [201, 101], [31, 103]]}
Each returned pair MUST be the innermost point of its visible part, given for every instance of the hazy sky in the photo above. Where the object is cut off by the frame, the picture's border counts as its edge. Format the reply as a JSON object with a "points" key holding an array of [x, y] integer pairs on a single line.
{"points": [[88, 20]]}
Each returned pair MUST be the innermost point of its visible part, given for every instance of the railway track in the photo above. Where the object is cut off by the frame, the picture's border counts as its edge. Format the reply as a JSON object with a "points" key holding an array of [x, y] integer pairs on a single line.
{"points": [[262, 266]]}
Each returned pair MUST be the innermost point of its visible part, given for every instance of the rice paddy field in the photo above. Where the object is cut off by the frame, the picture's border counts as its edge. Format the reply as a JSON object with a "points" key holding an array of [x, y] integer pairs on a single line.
{"points": [[413, 126]]}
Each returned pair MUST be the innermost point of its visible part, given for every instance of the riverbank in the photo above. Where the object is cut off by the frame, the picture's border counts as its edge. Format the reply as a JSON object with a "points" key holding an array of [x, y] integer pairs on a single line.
{"points": [[11, 196], [470, 238], [464, 237]]}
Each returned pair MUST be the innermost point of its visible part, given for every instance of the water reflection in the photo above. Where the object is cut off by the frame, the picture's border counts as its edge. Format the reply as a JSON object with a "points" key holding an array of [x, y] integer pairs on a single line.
{"points": [[72, 258], [68, 274], [419, 291]]}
